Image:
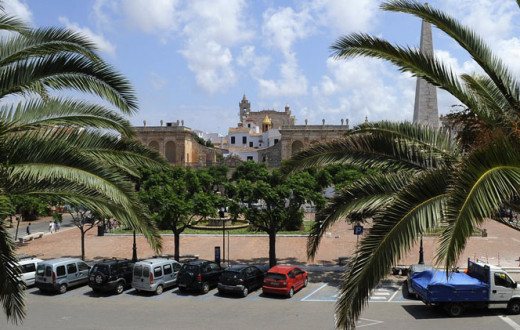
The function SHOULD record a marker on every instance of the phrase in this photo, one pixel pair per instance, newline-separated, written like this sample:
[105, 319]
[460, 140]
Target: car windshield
[230, 274]
[138, 270]
[276, 276]
[40, 270]
[104, 269]
[190, 268]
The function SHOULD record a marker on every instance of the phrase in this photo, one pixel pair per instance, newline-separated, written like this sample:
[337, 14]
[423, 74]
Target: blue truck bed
[433, 287]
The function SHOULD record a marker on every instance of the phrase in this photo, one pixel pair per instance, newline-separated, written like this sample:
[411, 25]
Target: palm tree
[73, 150]
[425, 178]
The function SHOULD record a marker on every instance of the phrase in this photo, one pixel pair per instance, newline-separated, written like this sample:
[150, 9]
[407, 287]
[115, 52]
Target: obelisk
[426, 111]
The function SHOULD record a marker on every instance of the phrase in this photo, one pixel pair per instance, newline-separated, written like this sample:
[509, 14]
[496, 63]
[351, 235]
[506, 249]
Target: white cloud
[211, 64]
[212, 27]
[257, 64]
[360, 88]
[151, 16]
[102, 44]
[283, 26]
[19, 9]
[347, 16]
[292, 82]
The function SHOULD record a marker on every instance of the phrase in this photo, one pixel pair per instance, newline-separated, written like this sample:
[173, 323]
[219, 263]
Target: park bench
[30, 237]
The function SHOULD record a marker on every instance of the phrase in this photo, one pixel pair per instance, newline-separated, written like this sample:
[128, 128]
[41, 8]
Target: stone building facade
[176, 143]
[299, 137]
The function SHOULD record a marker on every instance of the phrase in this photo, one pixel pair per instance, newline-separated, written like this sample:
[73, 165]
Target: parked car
[111, 275]
[199, 275]
[155, 275]
[60, 274]
[284, 280]
[27, 266]
[242, 279]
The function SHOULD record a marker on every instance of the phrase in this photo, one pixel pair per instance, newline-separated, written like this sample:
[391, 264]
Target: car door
[29, 273]
[176, 268]
[258, 277]
[169, 279]
[291, 281]
[502, 290]
[214, 273]
[72, 273]
[83, 270]
[298, 273]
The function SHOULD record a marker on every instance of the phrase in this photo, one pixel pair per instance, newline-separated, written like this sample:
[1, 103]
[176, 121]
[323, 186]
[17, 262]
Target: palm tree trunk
[176, 241]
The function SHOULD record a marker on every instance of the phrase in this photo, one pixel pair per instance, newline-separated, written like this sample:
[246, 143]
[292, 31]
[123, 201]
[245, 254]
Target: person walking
[52, 227]
[58, 225]
[28, 229]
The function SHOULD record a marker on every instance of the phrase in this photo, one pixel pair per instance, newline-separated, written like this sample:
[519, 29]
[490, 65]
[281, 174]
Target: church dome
[266, 120]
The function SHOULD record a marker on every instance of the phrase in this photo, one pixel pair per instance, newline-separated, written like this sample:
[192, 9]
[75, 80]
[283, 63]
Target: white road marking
[313, 292]
[370, 322]
[392, 297]
[512, 323]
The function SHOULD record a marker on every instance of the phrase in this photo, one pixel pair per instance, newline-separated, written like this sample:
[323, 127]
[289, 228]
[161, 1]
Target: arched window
[171, 152]
[296, 147]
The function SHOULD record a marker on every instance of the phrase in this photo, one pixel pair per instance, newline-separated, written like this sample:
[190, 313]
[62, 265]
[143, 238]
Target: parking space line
[510, 322]
[313, 292]
[395, 293]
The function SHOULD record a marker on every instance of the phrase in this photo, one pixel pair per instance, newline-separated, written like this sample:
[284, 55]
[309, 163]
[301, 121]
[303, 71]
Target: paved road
[311, 308]
[41, 225]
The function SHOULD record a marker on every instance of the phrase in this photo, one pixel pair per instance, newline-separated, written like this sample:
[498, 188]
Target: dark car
[198, 275]
[111, 275]
[242, 279]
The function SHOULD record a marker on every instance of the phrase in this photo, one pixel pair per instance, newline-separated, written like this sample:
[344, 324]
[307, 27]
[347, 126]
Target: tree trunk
[272, 249]
[176, 240]
[82, 244]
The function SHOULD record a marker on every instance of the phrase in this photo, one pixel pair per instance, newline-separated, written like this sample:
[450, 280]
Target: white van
[155, 275]
[27, 266]
[60, 274]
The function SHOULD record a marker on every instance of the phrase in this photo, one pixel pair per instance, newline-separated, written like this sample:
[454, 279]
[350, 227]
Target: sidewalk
[499, 248]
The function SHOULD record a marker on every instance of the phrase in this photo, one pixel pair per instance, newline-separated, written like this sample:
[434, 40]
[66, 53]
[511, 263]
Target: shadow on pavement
[422, 312]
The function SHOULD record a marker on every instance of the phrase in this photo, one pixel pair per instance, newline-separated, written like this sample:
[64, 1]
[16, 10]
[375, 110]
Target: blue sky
[193, 60]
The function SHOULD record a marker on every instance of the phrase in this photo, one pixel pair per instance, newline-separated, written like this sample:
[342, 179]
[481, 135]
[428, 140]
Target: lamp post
[421, 253]
[134, 251]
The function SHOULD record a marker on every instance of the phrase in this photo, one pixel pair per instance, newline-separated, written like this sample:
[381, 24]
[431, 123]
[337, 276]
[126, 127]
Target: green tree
[71, 150]
[85, 220]
[175, 197]
[280, 199]
[424, 179]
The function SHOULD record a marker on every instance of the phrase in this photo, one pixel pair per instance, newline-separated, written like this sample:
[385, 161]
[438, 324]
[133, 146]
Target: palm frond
[416, 208]
[368, 196]
[489, 177]
[407, 59]
[468, 40]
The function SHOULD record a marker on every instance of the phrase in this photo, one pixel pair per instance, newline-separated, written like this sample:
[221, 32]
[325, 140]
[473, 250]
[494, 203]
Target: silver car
[155, 275]
[60, 274]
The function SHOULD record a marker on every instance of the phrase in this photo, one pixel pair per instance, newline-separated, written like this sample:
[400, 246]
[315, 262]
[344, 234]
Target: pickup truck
[480, 286]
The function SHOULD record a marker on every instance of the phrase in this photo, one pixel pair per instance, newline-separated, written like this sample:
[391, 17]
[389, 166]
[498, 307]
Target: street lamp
[421, 253]
[134, 250]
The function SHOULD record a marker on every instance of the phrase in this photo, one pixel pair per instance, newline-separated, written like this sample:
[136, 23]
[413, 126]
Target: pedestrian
[28, 229]
[58, 225]
[52, 227]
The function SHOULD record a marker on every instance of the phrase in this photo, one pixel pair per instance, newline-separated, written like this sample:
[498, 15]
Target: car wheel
[96, 290]
[159, 290]
[291, 293]
[513, 307]
[306, 282]
[182, 289]
[245, 292]
[98, 278]
[62, 289]
[455, 310]
[205, 287]
[120, 288]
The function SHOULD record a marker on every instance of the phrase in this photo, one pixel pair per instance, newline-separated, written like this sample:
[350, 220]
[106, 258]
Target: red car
[284, 280]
